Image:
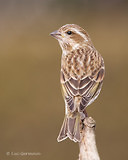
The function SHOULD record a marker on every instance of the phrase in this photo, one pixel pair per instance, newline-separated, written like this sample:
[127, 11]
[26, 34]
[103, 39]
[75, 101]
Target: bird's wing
[91, 89]
[87, 87]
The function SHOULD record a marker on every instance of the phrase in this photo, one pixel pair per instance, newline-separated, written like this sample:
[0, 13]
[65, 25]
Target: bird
[81, 77]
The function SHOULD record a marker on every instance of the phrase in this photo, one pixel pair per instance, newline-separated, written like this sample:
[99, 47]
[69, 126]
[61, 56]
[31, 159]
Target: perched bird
[82, 74]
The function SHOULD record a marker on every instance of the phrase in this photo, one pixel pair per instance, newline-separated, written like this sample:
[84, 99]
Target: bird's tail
[70, 129]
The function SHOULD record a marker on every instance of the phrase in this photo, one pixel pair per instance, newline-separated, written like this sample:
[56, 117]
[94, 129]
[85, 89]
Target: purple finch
[82, 74]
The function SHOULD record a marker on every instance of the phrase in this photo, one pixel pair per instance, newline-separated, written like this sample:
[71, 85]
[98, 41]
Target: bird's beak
[56, 34]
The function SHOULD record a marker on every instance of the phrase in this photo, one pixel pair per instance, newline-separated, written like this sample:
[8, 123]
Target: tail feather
[70, 129]
[77, 130]
[63, 131]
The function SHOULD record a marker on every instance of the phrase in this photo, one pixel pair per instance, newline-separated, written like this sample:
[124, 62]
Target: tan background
[31, 104]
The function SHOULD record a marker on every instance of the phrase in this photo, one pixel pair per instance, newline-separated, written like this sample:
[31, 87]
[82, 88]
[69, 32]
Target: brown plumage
[82, 74]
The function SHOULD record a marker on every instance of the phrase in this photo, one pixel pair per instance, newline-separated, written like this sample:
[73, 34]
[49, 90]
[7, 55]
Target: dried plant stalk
[88, 148]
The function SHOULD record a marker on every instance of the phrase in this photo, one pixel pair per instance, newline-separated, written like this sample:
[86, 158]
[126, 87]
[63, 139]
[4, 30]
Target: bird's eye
[69, 32]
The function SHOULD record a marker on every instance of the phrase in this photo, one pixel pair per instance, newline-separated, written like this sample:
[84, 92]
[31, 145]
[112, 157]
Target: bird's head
[71, 36]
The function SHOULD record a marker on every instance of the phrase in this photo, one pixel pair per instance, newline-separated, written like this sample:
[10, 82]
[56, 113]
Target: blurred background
[31, 104]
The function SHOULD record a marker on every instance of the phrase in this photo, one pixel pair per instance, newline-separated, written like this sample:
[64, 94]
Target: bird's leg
[85, 113]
